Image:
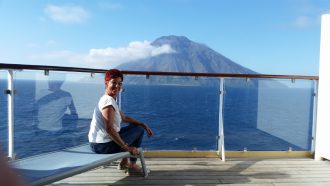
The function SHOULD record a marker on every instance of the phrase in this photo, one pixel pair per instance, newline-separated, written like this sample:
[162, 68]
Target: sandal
[135, 169]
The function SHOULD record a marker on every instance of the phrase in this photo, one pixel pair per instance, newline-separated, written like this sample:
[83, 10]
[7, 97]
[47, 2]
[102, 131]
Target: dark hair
[113, 73]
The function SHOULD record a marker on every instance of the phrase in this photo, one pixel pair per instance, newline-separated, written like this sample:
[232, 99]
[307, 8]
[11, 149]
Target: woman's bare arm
[108, 114]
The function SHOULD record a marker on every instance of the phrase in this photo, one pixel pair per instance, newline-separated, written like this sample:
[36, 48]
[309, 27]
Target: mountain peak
[189, 56]
[172, 38]
[176, 42]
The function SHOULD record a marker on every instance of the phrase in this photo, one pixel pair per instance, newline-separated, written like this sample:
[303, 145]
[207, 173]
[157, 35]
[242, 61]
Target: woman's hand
[133, 150]
[148, 129]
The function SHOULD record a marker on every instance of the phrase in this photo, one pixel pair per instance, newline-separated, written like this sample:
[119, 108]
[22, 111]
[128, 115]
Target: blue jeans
[131, 134]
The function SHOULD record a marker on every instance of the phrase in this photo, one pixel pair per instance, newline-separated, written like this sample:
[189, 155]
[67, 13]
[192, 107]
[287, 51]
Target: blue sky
[267, 36]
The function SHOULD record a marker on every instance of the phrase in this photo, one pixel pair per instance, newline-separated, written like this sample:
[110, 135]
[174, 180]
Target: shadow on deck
[212, 171]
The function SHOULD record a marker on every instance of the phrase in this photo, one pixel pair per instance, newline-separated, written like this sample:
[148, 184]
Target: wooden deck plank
[212, 171]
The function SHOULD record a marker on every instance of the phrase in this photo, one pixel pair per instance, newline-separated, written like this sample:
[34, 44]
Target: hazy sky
[267, 36]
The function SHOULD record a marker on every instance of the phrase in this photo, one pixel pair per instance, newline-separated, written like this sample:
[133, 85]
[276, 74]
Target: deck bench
[51, 167]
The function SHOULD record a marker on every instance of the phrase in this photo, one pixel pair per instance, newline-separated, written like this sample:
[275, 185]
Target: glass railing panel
[268, 114]
[182, 111]
[3, 113]
[53, 111]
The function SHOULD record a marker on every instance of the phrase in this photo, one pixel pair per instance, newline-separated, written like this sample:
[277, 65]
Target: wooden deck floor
[212, 171]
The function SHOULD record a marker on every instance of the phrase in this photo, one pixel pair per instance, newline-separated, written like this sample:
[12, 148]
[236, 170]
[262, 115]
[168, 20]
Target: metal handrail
[127, 72]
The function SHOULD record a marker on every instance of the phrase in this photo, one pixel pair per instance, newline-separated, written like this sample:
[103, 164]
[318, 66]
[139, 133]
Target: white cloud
[303, 21]
[66, 14]
[308, 12]
[107, 57]
[134, 51]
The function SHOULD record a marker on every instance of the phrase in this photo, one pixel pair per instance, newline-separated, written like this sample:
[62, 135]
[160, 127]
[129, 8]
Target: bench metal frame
[51, 167]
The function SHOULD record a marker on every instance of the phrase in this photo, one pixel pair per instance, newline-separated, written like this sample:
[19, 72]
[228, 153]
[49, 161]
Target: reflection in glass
[3, 113]
[268, 114]
[51, 105]
[52, 112]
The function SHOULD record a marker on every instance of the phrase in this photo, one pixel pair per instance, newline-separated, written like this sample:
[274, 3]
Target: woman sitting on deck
[106, 135]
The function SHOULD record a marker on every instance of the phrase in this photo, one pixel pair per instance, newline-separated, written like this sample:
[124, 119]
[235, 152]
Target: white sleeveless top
[97, 132]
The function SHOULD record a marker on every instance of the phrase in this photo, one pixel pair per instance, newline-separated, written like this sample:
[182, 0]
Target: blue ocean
[183, 117]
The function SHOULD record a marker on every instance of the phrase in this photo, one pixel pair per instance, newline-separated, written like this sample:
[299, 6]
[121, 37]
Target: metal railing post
[119, 99]
[315, 93]
[221, 139]
[10, 95]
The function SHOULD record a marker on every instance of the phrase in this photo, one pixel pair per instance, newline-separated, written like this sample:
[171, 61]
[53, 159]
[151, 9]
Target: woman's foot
[122, 167]
[134, 168]
[124, 164]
